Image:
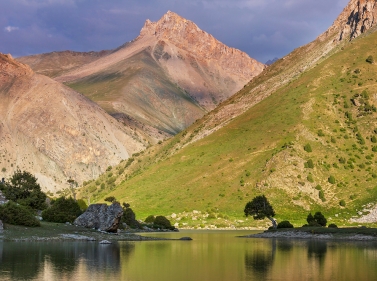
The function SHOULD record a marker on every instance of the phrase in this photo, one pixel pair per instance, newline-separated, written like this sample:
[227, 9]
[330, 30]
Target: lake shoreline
[49, 232]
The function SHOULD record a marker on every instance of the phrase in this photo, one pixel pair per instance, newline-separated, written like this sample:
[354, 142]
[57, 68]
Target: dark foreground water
[212, 255]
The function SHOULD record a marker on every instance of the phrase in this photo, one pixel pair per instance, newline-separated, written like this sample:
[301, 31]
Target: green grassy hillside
[310, 146]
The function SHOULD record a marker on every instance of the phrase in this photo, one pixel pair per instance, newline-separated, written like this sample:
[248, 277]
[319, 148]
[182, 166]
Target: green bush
[370, 59]
[12, 213]
[308, 148]
[342, 203]
[310, 178]
[320, 133]
[129, 218]
[162, 222]
[211, 216]
[285, 224]
[321, 195]
[309, 164]
[150, 219]
[331, 179]
[62, 210]
[320, 219]
[332, 225]
[318, 187]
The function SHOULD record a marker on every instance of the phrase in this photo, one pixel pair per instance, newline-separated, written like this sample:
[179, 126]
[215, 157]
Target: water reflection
[211, 256]
[317, 249]
[259, 260]
[60, 257]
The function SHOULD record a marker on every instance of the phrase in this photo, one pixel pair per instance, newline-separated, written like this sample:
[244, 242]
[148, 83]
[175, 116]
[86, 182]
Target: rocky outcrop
[357, 17]
[101, 217]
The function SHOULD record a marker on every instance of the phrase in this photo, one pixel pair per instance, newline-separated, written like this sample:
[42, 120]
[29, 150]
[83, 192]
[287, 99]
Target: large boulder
[101, 217]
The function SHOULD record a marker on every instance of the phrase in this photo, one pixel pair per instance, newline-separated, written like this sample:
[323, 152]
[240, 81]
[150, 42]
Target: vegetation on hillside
[310, 145]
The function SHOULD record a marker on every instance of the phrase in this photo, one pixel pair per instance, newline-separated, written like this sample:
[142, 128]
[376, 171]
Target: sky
[264, 29]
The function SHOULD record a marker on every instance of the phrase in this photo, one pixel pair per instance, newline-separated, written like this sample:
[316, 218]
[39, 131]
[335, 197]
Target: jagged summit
[187, 36]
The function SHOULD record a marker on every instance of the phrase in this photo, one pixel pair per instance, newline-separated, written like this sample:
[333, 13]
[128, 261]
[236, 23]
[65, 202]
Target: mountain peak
[169, 23]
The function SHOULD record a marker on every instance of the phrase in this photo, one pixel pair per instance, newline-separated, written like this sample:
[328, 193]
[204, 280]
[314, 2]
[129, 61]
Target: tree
[24, 190]
[317, 220]
[260, 208]
[72, 184]
[62, 210]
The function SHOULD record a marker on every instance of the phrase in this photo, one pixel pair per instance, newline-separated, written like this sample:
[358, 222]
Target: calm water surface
[212, 255]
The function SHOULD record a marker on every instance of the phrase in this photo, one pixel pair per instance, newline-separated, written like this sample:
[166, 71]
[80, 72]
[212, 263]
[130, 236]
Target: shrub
[110, 199]
[129, 218]
[342, 203]
[162, 222]
[12, 213]
[318, 187]
[332, 225]
[320, 219]
[331, 180]
[285, 224]
[62, 210]
[321, 195]
[308, 148]
[310, 178]
[309, 164]
[150, 219]
[211, 216]
[370, 59]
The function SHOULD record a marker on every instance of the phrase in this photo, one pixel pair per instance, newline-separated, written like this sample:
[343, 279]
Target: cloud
[11, 28]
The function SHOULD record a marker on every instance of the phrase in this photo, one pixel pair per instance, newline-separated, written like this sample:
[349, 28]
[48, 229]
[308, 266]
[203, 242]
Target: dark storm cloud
[263, 29]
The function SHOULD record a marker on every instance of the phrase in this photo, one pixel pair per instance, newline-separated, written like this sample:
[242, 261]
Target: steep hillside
[303, 133]
[168, 77]
[55, 133]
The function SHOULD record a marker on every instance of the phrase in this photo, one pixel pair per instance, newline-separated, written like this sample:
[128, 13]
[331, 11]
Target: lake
[212, 255]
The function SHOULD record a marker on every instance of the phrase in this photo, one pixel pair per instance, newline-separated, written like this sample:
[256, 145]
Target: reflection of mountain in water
[27, 260]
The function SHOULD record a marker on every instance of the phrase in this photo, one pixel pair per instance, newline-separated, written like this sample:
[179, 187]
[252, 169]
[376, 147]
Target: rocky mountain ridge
[168, 77]
[55, 133]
